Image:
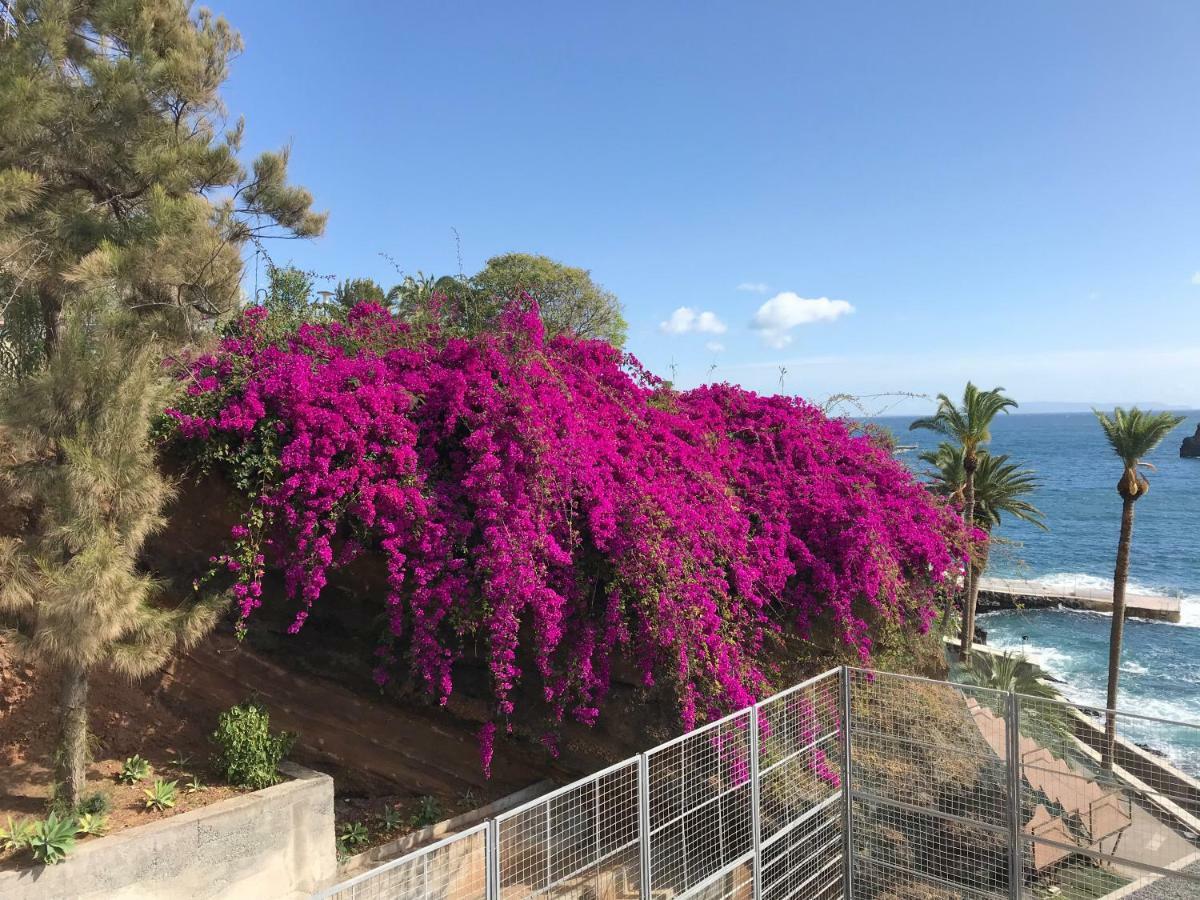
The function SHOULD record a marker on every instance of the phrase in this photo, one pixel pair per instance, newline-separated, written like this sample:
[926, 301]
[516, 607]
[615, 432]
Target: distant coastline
[1042, 407]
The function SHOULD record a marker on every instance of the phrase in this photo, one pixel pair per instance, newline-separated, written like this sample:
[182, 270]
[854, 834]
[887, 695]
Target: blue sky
[919, 193]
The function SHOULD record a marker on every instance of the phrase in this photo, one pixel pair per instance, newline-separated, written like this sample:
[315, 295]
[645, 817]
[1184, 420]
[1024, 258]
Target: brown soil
[381, 754]
[372, 746]
[124, 721]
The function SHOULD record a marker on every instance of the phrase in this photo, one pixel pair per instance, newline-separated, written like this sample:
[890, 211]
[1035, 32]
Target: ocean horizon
[1160, 665]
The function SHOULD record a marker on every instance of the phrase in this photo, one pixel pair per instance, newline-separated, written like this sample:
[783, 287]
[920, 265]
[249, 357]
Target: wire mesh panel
[1102, 802]
[580, 841]
[930, 787]
[799, 765]
[914, 788]
[453, 869]
[700, 801]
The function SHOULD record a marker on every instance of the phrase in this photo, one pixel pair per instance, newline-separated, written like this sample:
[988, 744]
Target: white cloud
[1196, 278]
[715, 346]
[778, 316]
[686, 320]
[754, 287]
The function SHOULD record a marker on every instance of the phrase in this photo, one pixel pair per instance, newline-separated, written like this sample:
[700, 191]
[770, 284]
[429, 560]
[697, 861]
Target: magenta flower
[558, 505]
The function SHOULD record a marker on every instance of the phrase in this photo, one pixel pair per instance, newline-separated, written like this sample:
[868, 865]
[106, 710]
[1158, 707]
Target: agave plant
[16, 835]
[134, 770]
[91, 823]
[161, 795]
[52, 839]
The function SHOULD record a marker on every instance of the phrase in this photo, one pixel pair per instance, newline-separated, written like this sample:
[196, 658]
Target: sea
[1160, 666]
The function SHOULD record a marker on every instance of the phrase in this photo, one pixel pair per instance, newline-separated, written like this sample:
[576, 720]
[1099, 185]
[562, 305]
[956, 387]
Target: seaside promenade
[1011, 593]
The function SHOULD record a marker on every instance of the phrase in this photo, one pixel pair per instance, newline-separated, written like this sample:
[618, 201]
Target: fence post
[491, 850]
[755, 804]
[644, 825]
[847, 792]
[1016, 846]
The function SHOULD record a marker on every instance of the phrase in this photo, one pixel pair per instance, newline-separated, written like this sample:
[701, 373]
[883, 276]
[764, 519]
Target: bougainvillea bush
[554, 502]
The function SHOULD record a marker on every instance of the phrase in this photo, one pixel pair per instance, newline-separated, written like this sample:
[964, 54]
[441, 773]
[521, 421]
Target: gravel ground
[1171, 888]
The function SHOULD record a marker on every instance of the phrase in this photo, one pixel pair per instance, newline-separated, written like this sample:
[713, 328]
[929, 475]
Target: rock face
[1190, 449]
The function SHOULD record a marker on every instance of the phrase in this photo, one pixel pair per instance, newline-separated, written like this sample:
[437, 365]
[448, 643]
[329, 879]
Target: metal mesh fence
[855, 784]
[453, 869]
[579, 841]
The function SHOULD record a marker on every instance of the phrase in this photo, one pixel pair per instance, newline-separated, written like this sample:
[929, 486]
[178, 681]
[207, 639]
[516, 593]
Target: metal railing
[853, 784]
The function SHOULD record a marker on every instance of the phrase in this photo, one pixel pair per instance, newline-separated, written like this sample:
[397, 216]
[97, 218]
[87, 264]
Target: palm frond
[1001, 485]
[1133, 433]
[968, 422]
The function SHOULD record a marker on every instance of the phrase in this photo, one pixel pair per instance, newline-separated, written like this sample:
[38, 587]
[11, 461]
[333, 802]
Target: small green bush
[429, 811]
[135, 769]
[354, 835]
[94, 804]
[52, 839]
[161, 795]
[391, 819]
[248, 754]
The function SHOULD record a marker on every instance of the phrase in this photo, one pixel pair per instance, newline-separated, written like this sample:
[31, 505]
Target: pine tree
[113, 166]
[72, 594]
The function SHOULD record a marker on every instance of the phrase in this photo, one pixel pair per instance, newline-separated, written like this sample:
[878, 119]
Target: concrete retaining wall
[369, 859]
[273, 843]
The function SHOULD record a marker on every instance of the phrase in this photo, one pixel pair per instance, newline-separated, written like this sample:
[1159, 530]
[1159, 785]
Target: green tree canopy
[358, 290]
[290, 291]
[116, 166]
[570, 300]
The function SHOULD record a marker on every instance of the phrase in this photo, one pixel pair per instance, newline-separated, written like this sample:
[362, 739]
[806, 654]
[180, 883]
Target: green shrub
[95, 804]
[195, 786]
[161, 795]
[428, 812]
[391, 819]
[248, 754]
[16, 835]
[135, 769]
[52, 839]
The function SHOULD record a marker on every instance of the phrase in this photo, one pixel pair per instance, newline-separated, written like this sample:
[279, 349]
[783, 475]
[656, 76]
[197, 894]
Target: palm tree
[1132, 434]
[970, 425]
[1006, 672]
[1048, 723]
[1001, 487]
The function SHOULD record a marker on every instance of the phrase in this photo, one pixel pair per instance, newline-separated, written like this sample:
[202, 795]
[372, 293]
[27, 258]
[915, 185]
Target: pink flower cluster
[553, 501]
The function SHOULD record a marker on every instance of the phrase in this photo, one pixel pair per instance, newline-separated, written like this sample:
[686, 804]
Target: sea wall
[1164, 609]
[269, 844]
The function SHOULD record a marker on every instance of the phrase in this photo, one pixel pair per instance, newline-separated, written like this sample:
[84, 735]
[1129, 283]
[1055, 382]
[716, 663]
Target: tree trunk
[1120, 576]
[51, 310]
[968, 626]
[72, 766]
